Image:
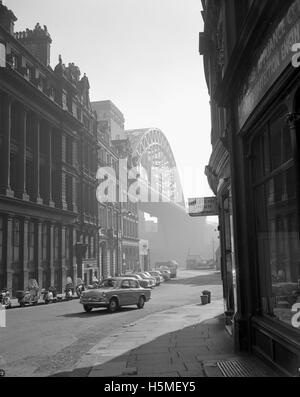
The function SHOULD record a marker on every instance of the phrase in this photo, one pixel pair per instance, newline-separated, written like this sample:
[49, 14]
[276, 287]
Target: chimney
[7, 18]
[37, 41]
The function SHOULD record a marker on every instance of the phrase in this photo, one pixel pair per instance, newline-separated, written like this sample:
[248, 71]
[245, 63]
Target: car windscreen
[144, 276]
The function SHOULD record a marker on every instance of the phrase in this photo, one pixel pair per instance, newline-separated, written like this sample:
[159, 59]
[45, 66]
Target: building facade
[51, 145]
[254, 170]
[125, 230]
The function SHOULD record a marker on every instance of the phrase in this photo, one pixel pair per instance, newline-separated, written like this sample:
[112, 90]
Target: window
[125, 284]
[69, 151]
[1, 243]
[277, 229]
[92, 247]
[133, 284]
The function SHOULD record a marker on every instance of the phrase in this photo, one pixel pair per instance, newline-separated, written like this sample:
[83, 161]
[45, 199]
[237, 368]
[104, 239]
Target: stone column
[21, 177]
[5, 153]
[63, 257]
[39, 258]
[25, 252]
[9, 253]
[74, 257]
[63, 202]
[51, 254]
[36, 161]
[49, 169]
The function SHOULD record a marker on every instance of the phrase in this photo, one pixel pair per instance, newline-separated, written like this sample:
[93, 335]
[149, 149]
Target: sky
[143, 56]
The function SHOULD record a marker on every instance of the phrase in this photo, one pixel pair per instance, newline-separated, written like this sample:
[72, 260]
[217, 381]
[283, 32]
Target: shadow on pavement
[175, 354]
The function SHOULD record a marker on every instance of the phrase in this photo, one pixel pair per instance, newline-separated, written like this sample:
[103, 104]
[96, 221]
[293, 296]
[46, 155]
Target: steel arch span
[175, 233]
[151, 150]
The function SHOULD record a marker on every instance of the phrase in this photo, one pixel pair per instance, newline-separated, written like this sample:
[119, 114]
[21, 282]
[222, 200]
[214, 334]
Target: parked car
[150, 278]
[157, 273]
[172, 266]
[156, 276]
[143, 283]
[114, 293]
[165, 273]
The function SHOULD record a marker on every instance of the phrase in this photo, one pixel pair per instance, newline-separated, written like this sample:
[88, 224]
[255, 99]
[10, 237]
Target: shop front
[267, 117]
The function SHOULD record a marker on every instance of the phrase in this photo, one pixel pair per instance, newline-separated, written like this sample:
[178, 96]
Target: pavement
[186, 341]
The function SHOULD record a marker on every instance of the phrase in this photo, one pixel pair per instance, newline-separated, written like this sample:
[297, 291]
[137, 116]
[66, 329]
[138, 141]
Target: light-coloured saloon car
[114, 293]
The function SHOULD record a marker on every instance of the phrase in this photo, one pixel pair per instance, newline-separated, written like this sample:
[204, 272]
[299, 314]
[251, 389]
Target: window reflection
[276, 220]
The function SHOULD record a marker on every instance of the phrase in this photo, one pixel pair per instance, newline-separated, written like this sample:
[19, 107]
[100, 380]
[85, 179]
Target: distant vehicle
[114, 293]
[49, 295]
[80, 287]
[170, 265]
[165, 273]
[5, 298]
[158, 275]
[31, 296]
[143, 282]
[151, 279]
[157, 278]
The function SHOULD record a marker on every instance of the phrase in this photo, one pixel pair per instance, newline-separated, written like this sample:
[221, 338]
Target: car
[143, 282]
[156, 276]
[157, 273]
[165, 273]
[114, 293]
[150, 278]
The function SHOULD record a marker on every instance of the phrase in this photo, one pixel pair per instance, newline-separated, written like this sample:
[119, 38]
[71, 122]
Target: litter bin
[208, 294]
[204, 299]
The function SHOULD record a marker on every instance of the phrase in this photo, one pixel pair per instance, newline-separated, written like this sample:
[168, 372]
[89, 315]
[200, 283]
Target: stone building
[49, 146]
[124, 234]
[254, 169]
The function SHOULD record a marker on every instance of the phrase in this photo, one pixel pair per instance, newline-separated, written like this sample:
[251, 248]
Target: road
[43, 340]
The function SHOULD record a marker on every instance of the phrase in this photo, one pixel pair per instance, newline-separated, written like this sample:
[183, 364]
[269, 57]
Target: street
[48, 339]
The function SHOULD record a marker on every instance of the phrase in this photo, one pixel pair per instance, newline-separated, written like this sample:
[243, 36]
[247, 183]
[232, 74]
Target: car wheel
[141, 302]
[113, 305]
[87, 308]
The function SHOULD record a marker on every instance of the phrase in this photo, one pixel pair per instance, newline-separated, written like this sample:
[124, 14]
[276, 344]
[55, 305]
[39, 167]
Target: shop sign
[272, 58]
[203, 206]
[2, 56]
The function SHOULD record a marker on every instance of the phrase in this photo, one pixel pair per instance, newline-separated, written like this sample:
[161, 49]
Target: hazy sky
[143, 56]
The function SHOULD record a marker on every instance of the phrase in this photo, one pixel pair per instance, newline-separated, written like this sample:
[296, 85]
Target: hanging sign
[203, 206]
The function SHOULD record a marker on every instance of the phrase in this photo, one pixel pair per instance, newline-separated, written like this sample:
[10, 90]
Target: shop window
[276, 220]
[1, 246]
